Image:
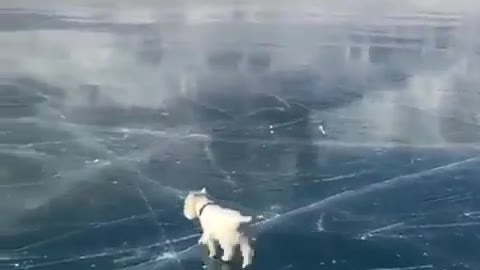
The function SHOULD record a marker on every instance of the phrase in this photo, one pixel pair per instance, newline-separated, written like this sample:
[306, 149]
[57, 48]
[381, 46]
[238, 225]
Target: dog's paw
[245, 264]
[226, 258]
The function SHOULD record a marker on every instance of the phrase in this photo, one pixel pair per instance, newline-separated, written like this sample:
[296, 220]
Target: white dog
[218, 224]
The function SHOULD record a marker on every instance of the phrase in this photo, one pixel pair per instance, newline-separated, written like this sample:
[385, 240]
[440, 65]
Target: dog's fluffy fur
[218, 224]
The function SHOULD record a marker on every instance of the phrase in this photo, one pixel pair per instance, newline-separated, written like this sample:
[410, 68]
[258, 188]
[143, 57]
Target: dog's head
[189, 207]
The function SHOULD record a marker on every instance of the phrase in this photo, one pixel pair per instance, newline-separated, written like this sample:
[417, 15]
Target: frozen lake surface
[353, 138]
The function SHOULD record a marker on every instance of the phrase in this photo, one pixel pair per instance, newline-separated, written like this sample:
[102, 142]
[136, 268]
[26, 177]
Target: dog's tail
[245, 219]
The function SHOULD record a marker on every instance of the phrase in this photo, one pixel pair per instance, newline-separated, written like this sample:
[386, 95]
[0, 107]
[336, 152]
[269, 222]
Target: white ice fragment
[334, 261]
[63, 116]
[320, 225]
[114, 182]
[275, 208]
[16, 265]
[178, 162]
[365, 236]
[92, 161]
[270, 126]
[271, 131]
[167, 255]
[320, 127]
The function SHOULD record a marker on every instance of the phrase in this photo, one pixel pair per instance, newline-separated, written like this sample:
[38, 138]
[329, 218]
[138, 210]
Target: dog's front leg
[203, 239]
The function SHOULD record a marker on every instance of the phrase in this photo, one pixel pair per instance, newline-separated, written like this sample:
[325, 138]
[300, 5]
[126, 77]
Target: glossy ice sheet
[352, 134]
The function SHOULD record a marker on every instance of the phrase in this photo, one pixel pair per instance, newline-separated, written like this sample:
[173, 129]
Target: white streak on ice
[427, 266]
[344, 176]
[383, 229]
[392, 182]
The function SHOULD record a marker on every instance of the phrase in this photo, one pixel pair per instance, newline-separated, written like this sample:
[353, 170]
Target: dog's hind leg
[247, 251]
[228, 250]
